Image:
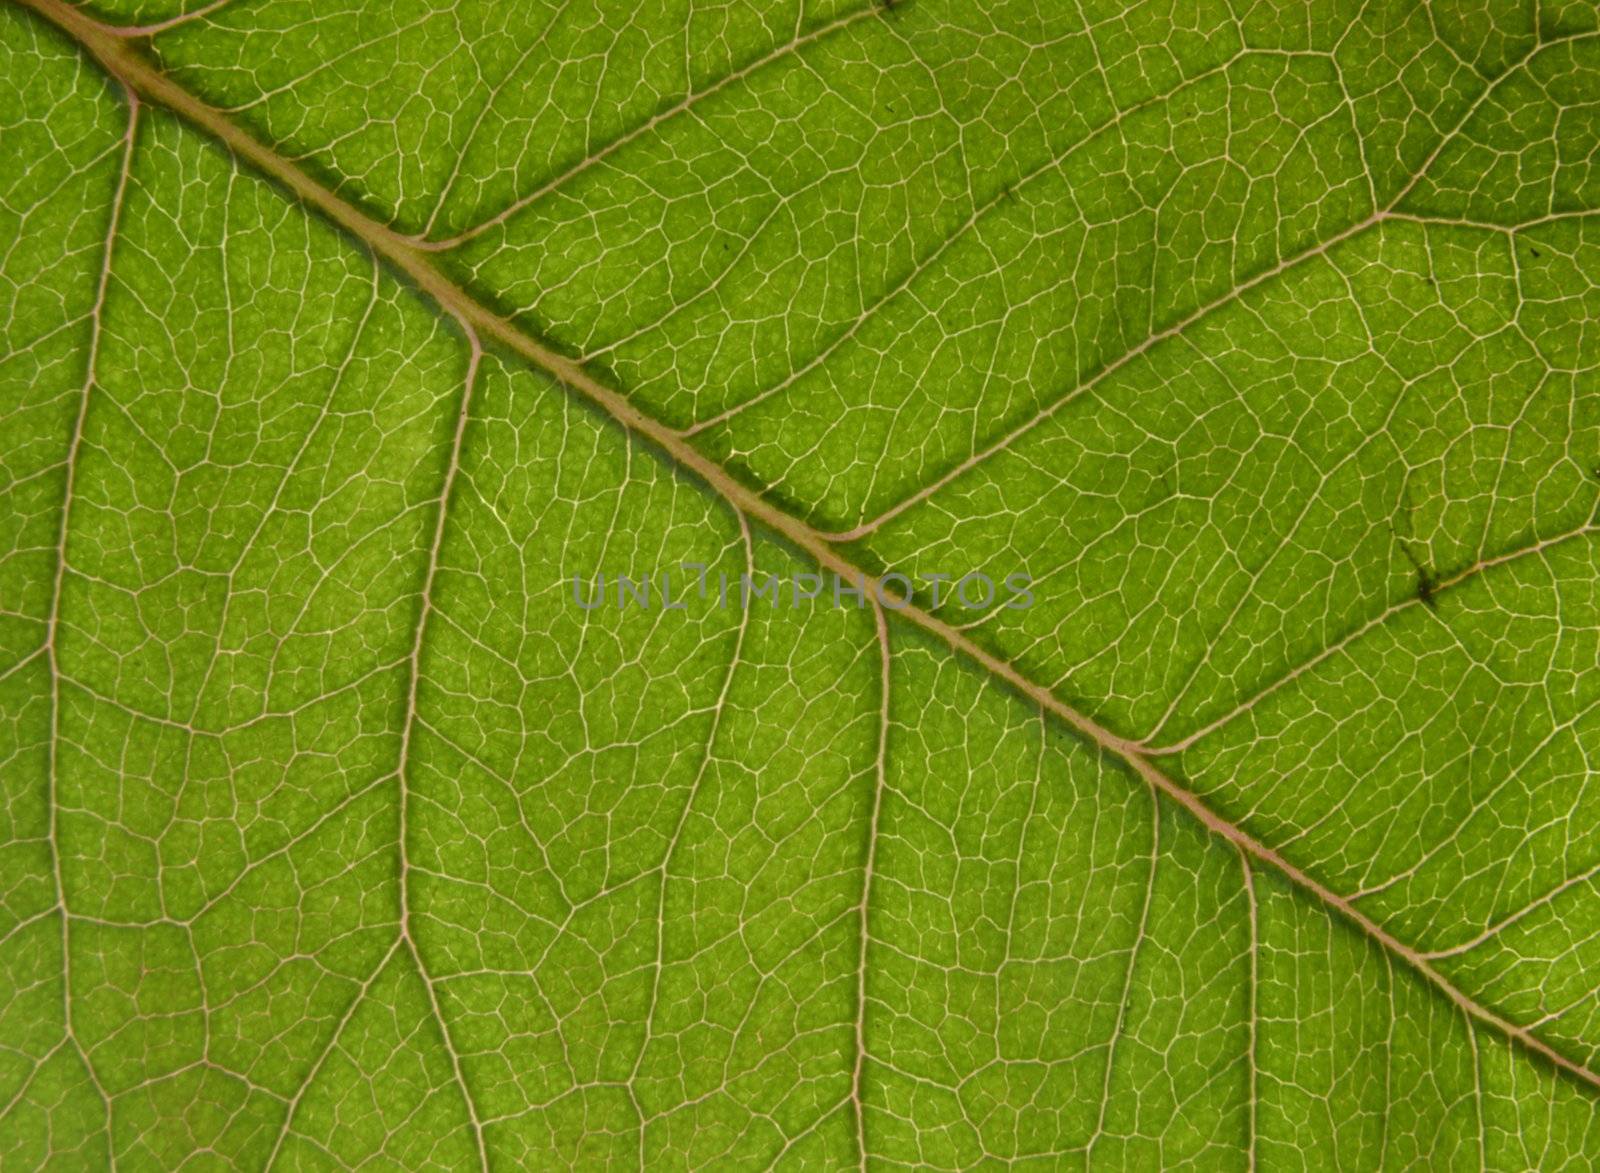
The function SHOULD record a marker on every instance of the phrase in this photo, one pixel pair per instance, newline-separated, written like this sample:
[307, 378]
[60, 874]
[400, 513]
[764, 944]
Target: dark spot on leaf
[1427, 582]
[1427, 590]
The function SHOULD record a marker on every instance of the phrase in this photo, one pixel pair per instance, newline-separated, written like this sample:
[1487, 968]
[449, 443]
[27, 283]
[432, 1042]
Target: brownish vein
[52, 646]
[425, 609]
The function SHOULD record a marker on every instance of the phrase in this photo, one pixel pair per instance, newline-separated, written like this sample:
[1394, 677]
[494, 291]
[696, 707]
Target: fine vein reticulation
[1267, 351]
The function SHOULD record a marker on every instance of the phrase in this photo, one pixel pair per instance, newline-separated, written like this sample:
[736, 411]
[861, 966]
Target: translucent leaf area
[1261, 336]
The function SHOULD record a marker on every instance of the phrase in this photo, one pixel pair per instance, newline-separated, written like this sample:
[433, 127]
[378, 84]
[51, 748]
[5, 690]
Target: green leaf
[338, 338]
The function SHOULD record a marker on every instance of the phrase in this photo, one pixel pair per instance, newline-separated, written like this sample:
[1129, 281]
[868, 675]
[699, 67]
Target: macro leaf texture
[1261, 336]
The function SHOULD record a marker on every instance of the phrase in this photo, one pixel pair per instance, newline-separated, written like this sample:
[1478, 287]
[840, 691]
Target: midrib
[125, 63]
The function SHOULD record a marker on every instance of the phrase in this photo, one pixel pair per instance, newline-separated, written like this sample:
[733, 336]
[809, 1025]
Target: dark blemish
[1536, 252]
[1427, 583]
[1427, 589]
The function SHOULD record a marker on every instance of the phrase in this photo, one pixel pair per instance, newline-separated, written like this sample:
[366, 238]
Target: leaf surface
[339, 338]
